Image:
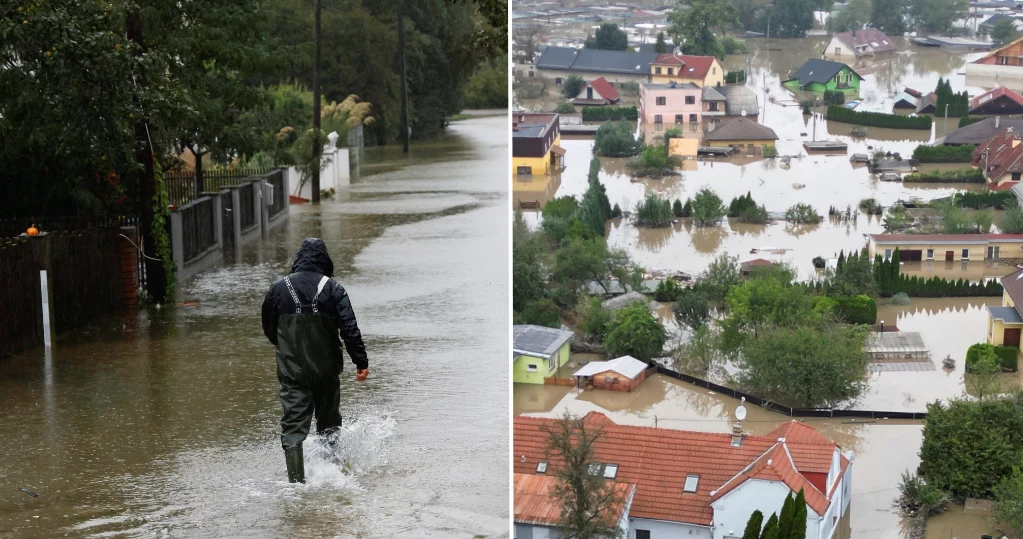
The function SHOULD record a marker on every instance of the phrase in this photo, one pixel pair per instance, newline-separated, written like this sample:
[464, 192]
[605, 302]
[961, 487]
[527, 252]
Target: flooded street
[166, 422]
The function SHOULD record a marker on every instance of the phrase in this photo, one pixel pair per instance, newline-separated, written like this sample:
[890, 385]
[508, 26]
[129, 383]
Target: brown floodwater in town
[164, 422]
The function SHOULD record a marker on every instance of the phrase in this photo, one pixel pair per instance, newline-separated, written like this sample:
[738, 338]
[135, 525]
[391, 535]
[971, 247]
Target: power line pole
[317, 145]
[405, 133]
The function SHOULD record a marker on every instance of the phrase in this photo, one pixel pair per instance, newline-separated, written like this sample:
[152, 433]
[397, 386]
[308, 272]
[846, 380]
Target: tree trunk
[156, 277]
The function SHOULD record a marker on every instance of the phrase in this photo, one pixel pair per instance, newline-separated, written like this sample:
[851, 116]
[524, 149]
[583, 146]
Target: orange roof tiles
[535, 502]
[658, 461]
[689, 66]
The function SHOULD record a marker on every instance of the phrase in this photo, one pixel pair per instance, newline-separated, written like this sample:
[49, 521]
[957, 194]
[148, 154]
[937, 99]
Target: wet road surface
[165, 422]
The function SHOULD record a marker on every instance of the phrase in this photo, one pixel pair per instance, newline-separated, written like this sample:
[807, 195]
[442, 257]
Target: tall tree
[770, 530]
[527, 40]
[693, 23]
[851, 17]
[792, 18]
[889, 16]
[608, 37]
[938, 15]
[661, 46]
[788, 513]
[752, 530]
[798, 530]
[586, 499]
[1005, 31]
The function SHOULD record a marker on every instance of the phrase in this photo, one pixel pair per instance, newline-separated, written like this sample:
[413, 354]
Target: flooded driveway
[166, 422]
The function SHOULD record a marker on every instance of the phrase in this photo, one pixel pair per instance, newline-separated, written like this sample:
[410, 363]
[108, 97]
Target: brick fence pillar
[129, 266]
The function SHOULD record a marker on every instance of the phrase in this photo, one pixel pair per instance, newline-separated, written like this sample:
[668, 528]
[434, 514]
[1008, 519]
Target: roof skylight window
[610, 471]
[692, 481]
[541, 467]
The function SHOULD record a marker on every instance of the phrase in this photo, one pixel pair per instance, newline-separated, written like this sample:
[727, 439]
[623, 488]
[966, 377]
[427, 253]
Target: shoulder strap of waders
[319, 288]
[294, 296]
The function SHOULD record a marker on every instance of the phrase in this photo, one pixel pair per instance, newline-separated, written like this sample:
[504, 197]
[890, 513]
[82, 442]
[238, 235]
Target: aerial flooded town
[774, 244]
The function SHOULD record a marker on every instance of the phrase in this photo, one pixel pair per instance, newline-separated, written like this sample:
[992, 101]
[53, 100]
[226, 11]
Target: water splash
[360, 447]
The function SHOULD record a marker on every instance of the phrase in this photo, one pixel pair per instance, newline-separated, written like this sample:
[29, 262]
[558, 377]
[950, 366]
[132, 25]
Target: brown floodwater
[164, 422]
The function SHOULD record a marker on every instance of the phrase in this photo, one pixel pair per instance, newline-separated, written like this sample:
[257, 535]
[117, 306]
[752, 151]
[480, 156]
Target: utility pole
[405, 132]
[946, 117]
[317, 145]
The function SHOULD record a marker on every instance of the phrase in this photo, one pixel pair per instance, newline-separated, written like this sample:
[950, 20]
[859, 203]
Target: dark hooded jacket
[311, 263]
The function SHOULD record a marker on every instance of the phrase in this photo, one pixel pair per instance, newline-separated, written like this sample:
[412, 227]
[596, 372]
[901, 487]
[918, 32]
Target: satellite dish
[742, 112]
[740, 413]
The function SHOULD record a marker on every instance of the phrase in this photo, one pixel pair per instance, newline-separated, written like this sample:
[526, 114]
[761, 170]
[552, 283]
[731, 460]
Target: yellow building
[536, 144]
[1005, 323]
[741, 134]
[699, 70]
[947, 247]
[538, 352]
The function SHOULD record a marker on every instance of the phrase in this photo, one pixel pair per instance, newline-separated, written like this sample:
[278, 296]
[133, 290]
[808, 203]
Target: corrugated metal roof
[626, 366]
[1009, 315]
[538, 341]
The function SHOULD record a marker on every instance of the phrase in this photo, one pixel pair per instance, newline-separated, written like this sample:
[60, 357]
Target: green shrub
[667, 290]
[542, 312]
[733, 45]
[615, 139]
[593, 317]
[565, 108]
[871, 206]
[890, 281]
[676, 208]
[488, 87]
[687, 208]
[877, 119]
[967, 120]
[654, 211]
[707, 209]
[654, 161]
[635, 332]
[594, 114]
[857, 309]
[834, 97]
[946, 176]
[803, 214]
[769, 151]
[572, 86]
[616, 212]
[1006, 355]
[943, 154]
[958, 103]
[756, 215]
[735, 77]
[738, 204]
[979, 200]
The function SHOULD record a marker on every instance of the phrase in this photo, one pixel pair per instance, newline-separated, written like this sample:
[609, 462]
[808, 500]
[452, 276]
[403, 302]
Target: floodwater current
[165, 421]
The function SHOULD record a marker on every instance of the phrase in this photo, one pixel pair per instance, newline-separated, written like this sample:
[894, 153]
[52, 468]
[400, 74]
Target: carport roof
[1009, 315]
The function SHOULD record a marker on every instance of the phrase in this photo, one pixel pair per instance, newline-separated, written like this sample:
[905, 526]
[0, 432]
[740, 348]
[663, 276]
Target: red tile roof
[871, 37]
[535, 502]
[691, 66]
[605, 89]
[995, 94]
[658, 460]
[1004, 154]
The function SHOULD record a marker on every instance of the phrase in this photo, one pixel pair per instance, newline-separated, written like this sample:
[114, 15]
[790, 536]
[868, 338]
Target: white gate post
[46, 308]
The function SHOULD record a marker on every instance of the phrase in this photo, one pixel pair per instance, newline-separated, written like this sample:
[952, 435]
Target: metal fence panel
[246, 199]
[198, 228]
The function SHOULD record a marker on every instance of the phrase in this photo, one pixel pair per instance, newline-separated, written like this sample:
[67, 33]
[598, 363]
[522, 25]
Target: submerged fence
[83, 277]
[781, 408]
[197, 232]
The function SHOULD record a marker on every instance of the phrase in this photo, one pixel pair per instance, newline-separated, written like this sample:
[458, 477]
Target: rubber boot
[296, 465]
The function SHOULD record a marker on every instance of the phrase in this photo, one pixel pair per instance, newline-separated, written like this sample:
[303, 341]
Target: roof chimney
[737, 435]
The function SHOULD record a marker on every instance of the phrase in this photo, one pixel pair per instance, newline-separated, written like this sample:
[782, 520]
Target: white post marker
[46, 308]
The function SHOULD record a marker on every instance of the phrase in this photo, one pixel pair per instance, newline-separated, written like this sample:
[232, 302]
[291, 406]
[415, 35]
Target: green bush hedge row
[946, 176]
[967, 120]
[877, 119]
[610, 113]
[979, 200]
[857, 309]
[890, 281]
[943, 154]
[1006, 356]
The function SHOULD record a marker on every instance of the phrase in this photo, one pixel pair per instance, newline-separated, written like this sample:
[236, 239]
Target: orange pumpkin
[32, 230]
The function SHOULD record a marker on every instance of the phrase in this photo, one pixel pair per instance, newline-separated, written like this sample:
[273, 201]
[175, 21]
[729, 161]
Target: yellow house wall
[540, 165]
[977, 252]
[1006, 300]
[995, 331]
[1007, 250]
[544, 368]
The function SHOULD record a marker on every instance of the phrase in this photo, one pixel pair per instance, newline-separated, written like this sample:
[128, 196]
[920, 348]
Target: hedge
[979, 200]
[591, 114]
[1006, 356]
[967, 120]
[890, 281]
[972, 175]
[857, 309]
[834, 97]
[877, 119]
[735, 77]
[943, 154]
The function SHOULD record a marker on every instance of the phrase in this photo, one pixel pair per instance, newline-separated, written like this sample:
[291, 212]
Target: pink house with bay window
[671, 103]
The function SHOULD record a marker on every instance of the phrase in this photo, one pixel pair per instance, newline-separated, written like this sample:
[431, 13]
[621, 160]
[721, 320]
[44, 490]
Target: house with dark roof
[1001, 159]
[538, 352]
[858, 43]
[980, 132]
[597, 92]
[818, 75]
[1000, 100]
[741, 133]
[685, 68]
[536, 144]
[693, 484]
[560, 63]
[1005, 323]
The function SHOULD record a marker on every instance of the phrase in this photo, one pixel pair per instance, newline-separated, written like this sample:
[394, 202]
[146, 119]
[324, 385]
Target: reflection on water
[165, 422]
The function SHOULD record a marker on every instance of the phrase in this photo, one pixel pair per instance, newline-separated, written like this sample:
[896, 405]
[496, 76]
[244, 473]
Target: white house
[695, 484]
[858, 43]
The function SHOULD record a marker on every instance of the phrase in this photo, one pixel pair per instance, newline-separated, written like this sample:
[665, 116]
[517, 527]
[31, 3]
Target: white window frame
[965, 254]
[930, 254]
[658, 119]
[552, 362]
[887, 254]
[531, 368]
[691, 487]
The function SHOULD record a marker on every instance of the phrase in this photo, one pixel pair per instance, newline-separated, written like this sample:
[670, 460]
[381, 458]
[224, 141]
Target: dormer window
[692, 482]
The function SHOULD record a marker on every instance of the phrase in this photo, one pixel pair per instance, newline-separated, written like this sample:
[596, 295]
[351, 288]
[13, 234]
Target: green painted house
[818, 75]
[538, 352]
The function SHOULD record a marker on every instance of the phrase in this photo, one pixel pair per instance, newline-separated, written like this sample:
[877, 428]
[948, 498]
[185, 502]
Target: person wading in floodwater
[303, 316]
